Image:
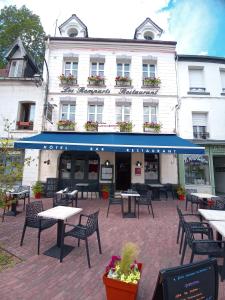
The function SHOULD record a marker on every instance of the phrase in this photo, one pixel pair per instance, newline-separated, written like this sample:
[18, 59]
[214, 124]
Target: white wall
[168, 168]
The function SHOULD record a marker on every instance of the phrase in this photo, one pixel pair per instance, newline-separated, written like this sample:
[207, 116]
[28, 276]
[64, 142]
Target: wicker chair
[32, 220]
[83, 231]
[145, 200]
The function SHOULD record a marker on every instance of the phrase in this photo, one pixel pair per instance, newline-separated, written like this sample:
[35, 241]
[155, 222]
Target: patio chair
[115, 201]
[217, 203]
[189, 197]
[83, 231]
[145, 200]
[23, 194]
[93, 188]
[62, 199]
[210, 247]
[32, 220]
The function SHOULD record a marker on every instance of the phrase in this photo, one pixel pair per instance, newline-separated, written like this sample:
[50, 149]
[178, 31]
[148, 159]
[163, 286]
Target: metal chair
[145, 200]
[115, 201]
[83, 231]
[62, 199]
[32, 220]
[189, 197]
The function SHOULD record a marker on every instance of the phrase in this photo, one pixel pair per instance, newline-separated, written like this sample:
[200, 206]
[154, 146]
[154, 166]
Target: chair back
[189, 235]
[92, 223]
[32, 209]
[219, 204]
[189, 191]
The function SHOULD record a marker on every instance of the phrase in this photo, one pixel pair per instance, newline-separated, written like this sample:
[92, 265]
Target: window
[150, 114]
[123, 113]
[26, 116]
[196, 169]
[151, 167]
[97, 69]
[123, 70]
[196, 80]
[68, 112]
[72, 32]
[95, 113]
[222, 75]
[71, 68]
[199, 123]
[14, 69]
[148, 70]
[148, 35]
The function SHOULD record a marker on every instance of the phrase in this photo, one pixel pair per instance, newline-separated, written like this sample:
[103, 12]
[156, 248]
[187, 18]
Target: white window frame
[71, 70]
[152, 116]
[68, 113]
[99, 71]
[196, 87]
[123, 73]
[149, 65]
[200, 129]
[32, 108]
[14, 70]
[222, 76]
[122, 114]
[96, 113]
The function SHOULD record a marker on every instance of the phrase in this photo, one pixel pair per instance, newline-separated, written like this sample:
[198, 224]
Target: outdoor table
[73, 195]
[204, 197]
[212, 215]
[60, 213]
[130, 194]
[15, 197]
[82, 186]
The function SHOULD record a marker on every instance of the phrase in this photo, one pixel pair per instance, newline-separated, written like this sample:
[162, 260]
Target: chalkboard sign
[198, 281]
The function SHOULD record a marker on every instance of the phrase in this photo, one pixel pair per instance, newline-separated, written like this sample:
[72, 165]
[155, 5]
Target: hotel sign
[122, 91]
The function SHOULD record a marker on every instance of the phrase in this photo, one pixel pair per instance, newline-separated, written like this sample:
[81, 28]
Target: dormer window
[14, 69]
[72, 32]
[148, 35]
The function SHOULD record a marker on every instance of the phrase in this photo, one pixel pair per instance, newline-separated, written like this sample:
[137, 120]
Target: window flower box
[123, 81]
[25, 125]
[66, 125]
[91, 126]
[152, 127]
[68, 79]
[125, 126]
[96, 80]
[152, 82]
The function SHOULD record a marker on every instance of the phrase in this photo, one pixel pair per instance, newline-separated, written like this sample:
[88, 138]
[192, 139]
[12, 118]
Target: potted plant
[67, 79]
[125, 126]
[152, 81]
[105, 191]
[91, 126]
[37, 189]
[96, 80]
[181, 192]
[123, 81]
[66, 125]
[152, 126]
[123, 274]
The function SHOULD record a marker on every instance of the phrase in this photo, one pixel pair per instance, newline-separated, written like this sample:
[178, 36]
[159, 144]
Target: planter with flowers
[96, 80]
[123, 274]
[91, 126]
[151, 82]
[125, 126]
[123, 81]
[105, 192]
[67, 79]
[181, 192]
[152, 127]
[66, 125]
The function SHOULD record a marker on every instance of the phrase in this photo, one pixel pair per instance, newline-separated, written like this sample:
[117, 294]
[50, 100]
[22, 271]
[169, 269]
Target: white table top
[156, 185]
[19, 193]
[72, 193]
[82, 184]
[203, 195]
[130, 194]
[212, 215]
[219, 226]
[60, 212]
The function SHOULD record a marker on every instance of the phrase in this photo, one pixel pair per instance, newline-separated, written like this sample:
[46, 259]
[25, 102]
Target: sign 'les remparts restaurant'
[122, 91]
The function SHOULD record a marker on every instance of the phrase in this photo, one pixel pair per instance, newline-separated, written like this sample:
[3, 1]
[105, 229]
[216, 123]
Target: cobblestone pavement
[42, 277]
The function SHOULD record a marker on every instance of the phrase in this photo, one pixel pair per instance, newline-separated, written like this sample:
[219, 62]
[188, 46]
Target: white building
[201, 119]
[108, 81]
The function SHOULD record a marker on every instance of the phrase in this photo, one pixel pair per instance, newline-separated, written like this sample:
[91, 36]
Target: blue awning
[111, 142]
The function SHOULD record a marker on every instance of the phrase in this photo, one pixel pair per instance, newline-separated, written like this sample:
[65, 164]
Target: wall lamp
[138, 163]
[38, 80]
[107, 162]
[47, 162]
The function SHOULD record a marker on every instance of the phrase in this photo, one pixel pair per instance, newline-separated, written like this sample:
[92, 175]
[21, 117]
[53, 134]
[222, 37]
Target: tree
[21, 22]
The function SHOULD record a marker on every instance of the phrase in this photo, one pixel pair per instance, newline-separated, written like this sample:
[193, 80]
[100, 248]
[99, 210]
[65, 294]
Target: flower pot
[181, 197]
[37, 195]
[105, 195]
[119, 290]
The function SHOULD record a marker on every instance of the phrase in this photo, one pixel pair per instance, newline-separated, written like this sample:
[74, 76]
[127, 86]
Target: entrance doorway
[219, 174]
[123, 171]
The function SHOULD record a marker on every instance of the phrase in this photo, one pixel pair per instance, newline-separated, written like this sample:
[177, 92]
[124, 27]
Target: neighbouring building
[201, 120]
[115, 102]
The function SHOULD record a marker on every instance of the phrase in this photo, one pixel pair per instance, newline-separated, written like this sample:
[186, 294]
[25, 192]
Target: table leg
[129, 213]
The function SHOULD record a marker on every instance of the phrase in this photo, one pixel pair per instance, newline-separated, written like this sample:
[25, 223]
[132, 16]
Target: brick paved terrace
[42, 277]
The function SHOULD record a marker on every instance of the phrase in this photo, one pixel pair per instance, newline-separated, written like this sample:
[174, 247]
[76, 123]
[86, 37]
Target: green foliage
[129, 254]
[37, 187]
[21, 22]
[181, 190]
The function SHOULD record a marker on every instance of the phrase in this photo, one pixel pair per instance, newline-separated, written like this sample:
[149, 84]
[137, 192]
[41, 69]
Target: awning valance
[109, 142]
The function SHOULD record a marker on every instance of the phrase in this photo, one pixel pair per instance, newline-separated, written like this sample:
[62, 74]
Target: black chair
[210, 247]
[145, 200]
[63, 199]
[217, 203]
[142, 189]
[115, 201]
[189, 197]
[83, 231]
[93, 188]
[32, 220]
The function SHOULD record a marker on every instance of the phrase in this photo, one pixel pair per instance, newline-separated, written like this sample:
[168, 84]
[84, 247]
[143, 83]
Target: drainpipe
[178, 105]
[46, 88]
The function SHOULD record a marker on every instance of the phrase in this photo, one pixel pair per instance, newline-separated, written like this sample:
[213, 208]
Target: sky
[197, 25]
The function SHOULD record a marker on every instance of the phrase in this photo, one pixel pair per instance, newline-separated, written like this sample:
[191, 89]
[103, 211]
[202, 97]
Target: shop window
[95, 113]
[123, 113]
[151, 167]
[26, 116]
[196, 169]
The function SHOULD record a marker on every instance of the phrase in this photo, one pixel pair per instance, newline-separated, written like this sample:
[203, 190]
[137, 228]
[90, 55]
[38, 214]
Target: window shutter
[196, 78]
[222, 74]
[199, 119]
